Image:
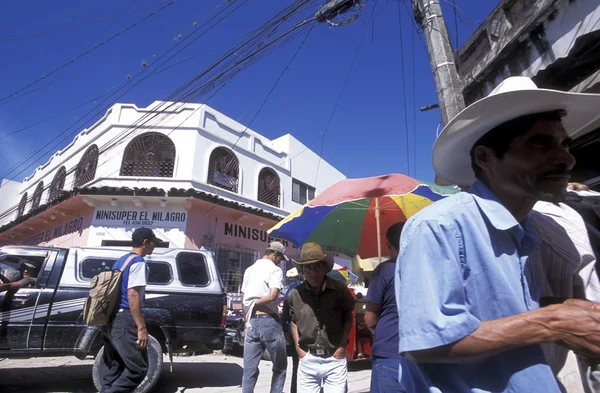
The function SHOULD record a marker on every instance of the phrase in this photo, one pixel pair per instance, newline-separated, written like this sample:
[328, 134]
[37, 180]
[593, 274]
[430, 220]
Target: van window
[193, 270]
[160, 273]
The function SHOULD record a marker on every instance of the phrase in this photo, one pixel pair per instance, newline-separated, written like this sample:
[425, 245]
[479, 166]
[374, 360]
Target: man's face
[537, 165]
[27, 273]
[149, 246]
[314, 273]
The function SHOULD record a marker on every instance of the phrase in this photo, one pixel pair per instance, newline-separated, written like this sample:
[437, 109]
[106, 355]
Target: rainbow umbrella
[350, 216]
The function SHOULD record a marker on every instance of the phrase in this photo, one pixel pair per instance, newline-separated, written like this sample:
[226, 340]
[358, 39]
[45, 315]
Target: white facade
[195, 130]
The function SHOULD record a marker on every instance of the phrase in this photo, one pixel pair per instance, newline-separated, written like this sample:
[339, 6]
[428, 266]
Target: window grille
[224, 170]
[268, 187]
[86, 169]
[149, 155]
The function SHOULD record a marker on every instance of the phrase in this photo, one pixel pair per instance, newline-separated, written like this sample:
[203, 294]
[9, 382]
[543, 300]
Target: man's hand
[340, 353]
[300, 352]
[142, 335]
[577, 187]
[577, 324]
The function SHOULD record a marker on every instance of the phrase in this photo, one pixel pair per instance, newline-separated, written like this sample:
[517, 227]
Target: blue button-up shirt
[464, 260]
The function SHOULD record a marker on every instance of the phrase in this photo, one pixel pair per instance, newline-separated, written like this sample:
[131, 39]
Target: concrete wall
[196, 130]
[523, 37]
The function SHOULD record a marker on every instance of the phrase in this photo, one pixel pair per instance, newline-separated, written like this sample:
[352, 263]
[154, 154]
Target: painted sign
[246, 232]
[58, 231]
[164, 218]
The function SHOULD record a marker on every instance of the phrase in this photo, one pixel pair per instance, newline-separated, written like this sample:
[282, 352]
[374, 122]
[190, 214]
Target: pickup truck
[185, 308]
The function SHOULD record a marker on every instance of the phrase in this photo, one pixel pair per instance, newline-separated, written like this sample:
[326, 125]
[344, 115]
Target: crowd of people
[484, 291]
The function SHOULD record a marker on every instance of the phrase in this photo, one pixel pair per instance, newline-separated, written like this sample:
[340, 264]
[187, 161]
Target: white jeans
[314, 371]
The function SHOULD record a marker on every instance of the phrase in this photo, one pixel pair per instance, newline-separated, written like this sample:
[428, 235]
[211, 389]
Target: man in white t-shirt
[260, 290]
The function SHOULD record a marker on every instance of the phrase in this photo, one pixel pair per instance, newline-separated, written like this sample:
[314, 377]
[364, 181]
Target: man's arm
[348, 304]
[137, 281]
[271, 297]
[135, 307]
[434, 318]
[372, 314]
[296, 336]
[573, 324]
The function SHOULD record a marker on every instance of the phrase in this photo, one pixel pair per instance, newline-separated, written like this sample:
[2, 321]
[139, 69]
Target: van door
[23, 314]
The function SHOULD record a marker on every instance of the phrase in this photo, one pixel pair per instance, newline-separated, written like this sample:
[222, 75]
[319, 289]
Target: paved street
[206, 373]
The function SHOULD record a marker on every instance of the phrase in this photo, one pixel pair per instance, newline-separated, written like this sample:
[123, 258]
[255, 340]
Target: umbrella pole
[378, 229]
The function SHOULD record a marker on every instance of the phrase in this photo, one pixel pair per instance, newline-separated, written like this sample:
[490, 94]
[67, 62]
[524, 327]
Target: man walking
[382, 315]
[125, 360]
[469, 277]
[260, 289]
[321, 311]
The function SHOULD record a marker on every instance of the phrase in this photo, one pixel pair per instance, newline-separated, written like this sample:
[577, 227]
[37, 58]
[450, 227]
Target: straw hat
[311, 253]
[513, 98]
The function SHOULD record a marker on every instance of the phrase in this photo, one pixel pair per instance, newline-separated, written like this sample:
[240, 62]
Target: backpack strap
[124, 266]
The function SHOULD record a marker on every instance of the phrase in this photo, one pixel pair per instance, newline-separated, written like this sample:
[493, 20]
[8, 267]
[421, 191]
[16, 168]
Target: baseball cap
[141, 234]
[278, 247]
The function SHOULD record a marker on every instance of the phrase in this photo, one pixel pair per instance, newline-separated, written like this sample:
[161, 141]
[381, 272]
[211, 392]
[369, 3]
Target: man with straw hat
[469, 279]
[321, 310]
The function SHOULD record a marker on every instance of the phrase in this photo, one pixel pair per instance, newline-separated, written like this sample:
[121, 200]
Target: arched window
[224, 169]
[37, 196]
[149, 155]
[58, 183]
[268, 187]
[22, 205]
[86, 169]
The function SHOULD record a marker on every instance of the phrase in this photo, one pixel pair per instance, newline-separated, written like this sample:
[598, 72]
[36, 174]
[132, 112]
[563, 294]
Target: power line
[414, 91]
[136, 126]
[25, 160]
[339, 97]
[80, 24]
[404, 89]
[273, 88]
[88, 51]
[455, 22]
[47, 85]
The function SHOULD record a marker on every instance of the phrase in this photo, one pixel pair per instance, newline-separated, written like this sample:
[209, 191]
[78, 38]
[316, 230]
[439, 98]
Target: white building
[195, 176]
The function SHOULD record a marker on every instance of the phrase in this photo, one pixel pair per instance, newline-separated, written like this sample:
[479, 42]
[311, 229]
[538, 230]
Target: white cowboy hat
[514, 97]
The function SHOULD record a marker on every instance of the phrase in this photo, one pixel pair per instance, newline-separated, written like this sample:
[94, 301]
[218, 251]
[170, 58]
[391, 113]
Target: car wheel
[155, 361]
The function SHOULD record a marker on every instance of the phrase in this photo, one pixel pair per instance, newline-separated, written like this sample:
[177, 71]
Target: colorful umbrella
[350, 216]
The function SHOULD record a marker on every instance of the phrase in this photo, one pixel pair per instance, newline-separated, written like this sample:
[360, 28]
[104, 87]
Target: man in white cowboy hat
[469, 278]
[321, 310]
[260, 290]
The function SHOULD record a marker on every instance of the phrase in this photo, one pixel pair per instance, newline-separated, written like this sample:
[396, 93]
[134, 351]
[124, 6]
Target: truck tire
[155, 361]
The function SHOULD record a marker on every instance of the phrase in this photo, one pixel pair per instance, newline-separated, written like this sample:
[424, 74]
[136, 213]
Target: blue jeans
[264, 333]
[384, 376]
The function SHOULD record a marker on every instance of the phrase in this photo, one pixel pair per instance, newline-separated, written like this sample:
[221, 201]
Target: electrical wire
[272, 42]
[339, 97]
[404, 88]
[273, 88]
[111, 101]
[455, 23]
[414, 91]
[80, 24]
[43, 88]
[88, 51]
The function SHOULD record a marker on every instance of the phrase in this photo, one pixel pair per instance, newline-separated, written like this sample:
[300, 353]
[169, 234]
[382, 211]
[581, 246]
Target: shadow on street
[78, 378]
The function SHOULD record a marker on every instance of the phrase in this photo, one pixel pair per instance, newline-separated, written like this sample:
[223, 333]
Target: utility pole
[428, 15]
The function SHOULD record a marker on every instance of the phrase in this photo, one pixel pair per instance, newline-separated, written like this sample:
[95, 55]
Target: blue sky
[367, 135]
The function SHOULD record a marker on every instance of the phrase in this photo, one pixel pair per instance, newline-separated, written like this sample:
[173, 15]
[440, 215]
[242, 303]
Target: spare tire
[155, 362]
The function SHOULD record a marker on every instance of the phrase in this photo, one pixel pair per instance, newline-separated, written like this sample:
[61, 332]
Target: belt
[322, 353]
[264, 316]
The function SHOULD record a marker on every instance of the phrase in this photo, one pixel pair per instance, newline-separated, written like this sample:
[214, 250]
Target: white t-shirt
[259, 279]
